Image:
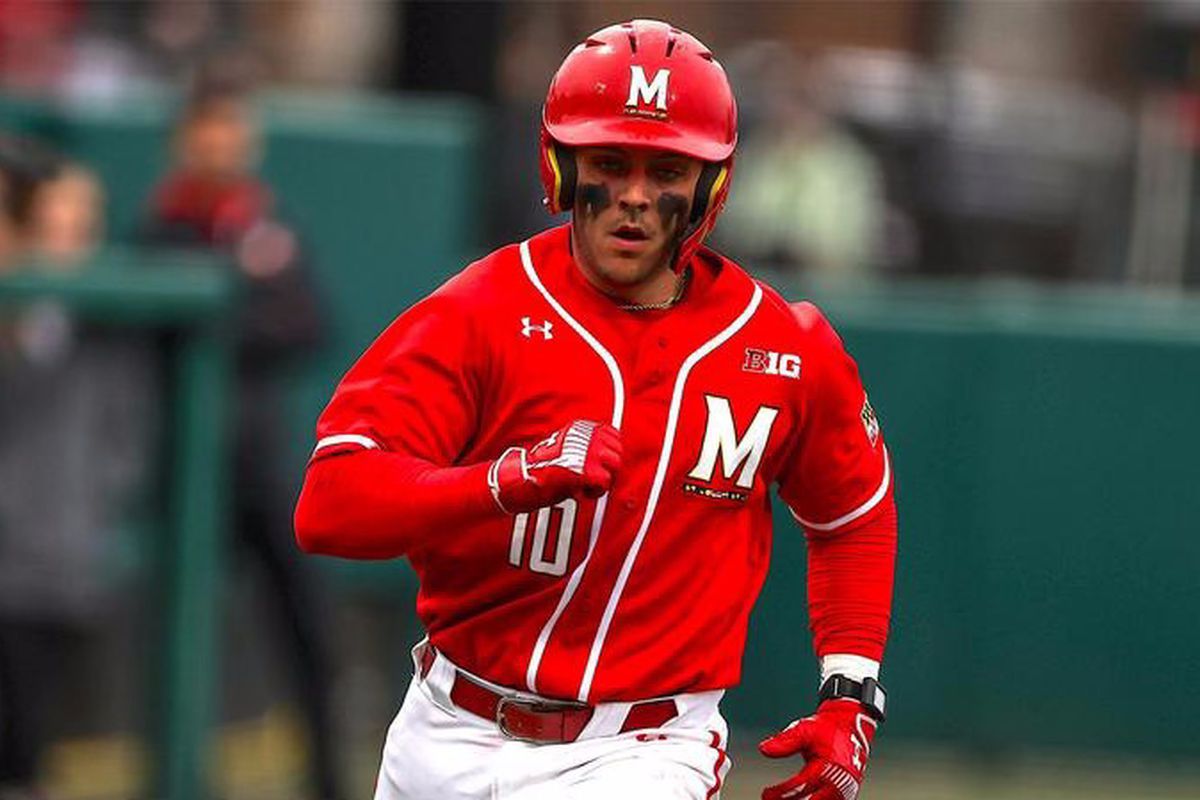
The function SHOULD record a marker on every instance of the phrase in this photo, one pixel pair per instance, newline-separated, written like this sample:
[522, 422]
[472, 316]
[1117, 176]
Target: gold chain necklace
[680, 287]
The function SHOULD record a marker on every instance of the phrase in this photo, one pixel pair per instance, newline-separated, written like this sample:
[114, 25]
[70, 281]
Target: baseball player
[573, 442]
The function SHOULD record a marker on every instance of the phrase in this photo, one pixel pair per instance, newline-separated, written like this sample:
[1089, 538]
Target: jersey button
[629, 505]
[662, 341]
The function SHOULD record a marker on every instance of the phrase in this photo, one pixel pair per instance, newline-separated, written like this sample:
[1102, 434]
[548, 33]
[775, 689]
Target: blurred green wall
[1042, 440]
[1047, 579]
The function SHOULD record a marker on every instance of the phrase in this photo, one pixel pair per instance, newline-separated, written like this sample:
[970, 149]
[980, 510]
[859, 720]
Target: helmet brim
[635, 131]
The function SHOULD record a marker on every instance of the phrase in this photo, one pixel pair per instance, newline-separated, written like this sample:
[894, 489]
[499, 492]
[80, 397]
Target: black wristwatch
[868, 692]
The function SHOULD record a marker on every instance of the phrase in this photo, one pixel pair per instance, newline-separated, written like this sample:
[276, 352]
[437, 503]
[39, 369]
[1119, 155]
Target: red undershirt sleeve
[850, 578]
[372, 504]
[838, 485]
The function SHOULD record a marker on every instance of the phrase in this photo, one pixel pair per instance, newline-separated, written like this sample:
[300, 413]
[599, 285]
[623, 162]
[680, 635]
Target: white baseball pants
[436, 751]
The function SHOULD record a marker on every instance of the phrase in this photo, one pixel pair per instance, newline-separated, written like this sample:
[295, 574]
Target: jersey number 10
[548, 560]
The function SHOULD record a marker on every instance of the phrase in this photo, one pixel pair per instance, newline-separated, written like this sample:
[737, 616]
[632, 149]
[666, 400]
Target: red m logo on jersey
[721, 440]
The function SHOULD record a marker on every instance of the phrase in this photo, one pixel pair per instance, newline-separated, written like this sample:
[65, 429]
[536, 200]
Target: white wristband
[852, 666]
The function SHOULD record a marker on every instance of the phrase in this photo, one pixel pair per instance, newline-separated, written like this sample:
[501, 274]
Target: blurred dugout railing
[1043, 443]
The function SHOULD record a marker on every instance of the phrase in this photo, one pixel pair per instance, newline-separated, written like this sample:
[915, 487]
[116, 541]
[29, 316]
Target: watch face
[873, 696]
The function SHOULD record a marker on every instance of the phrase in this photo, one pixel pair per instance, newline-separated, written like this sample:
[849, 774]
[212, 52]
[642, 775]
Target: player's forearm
[850, 577]
[373, 504]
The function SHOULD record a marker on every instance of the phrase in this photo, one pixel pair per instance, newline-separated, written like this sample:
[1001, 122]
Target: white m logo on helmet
[720, 438]
[647, 92]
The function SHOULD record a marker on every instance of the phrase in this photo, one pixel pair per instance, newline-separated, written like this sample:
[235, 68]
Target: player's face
[631, 211]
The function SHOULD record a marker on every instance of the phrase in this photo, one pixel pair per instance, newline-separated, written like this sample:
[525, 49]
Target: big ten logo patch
[768, 362]
[740, 456]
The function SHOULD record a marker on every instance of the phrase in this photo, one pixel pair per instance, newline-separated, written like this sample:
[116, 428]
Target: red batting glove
[835, 742]
[580, 459]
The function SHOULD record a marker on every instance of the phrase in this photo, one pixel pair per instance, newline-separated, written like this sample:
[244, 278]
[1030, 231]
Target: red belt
[542, 720]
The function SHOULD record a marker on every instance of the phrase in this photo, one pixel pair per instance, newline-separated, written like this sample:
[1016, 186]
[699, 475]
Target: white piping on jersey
[539, 648]
[660, 475]
[872, 501]
[346, 438]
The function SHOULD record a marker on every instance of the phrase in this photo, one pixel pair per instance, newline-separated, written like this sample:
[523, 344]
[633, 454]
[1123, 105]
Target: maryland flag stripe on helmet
[642, 84]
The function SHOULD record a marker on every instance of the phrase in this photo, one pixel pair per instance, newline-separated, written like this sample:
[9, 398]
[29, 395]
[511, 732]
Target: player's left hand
[835, 743]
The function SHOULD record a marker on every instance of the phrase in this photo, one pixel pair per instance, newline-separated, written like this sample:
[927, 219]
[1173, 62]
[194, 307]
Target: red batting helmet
[642, 84]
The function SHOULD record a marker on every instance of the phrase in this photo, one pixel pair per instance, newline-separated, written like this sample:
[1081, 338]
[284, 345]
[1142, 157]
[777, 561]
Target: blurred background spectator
[77, 425]
[66, 221]
[907, 147]
[810, 196]
[213, 199]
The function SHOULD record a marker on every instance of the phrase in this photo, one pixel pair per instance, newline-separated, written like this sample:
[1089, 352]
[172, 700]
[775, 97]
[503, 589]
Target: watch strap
[869, 692]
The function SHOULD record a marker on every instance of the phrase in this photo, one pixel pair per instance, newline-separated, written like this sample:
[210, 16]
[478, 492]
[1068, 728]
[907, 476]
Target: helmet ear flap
[711, 177]
[562, 162]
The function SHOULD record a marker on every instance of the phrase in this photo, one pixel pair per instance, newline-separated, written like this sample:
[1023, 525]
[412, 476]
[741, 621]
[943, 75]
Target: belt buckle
[534, 706]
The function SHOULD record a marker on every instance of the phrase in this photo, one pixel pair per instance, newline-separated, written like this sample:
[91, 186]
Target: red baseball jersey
[646, 591]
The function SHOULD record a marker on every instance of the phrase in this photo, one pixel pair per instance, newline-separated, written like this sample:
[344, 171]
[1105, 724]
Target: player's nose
[635, 194]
